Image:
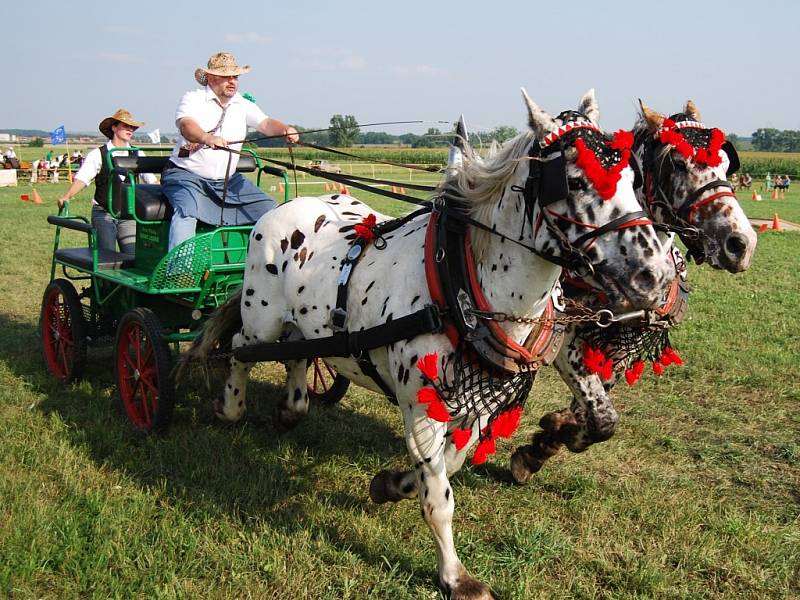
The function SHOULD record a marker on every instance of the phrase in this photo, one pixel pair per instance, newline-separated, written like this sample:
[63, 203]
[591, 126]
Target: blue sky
[76, 62]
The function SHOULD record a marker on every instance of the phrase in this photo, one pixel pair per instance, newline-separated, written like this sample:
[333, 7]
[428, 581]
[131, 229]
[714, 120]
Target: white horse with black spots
[296, 253]
[685, 167]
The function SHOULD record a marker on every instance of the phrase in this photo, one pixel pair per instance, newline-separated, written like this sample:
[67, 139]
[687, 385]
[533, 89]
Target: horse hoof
[469, 588]
[377, 488]
[284, 420]
[524, 464]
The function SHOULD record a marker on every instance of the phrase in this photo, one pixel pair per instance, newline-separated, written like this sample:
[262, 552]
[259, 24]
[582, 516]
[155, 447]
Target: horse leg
[295, 402]
[426, 441]
[591, 417]
[232, 405]
[395, 485]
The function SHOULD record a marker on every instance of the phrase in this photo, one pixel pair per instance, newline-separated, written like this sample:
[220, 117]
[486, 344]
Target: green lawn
[697, 496]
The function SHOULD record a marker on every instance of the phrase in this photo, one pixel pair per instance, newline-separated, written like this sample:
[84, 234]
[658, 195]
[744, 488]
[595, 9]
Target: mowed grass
[697, 496]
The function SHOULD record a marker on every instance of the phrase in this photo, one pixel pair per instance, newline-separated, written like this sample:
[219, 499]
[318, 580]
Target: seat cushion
[106, 259]
[151, 203]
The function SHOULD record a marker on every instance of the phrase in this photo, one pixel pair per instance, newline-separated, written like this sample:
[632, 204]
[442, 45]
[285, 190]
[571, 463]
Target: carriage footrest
[106, 259]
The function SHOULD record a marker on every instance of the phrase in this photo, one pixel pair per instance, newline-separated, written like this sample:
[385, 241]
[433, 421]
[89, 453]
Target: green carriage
[149, 302]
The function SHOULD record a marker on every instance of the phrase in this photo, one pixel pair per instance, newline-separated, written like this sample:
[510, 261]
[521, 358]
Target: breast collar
[453, 284]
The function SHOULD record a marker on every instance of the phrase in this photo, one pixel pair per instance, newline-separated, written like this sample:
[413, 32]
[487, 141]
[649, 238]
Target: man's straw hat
[122, 116]
[223, 64]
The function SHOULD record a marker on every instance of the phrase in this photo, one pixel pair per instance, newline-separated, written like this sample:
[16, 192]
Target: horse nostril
[736, 245]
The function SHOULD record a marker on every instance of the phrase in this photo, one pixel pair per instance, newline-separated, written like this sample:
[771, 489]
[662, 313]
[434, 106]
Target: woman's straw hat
[223, 64]
[121, 116]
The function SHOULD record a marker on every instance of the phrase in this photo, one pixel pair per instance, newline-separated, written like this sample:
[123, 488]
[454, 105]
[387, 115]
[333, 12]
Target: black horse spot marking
[303, 253]
[318, 223]
[300, 289]
[354, 202]
[334, 197]
[314, 307]
[235, 391]
[447, 494]
[405, 377]
[414, 300]
[370, 286]
[241, 403]
[247, 303]
[316, 331]
[352, 214]
[352, 236]
[297, 239]
[400, 372]
[272, 269]
[283, 267]
[297, 394]
[494, 268]
[505, 268]
[414, 359]
[250, 292]
[303, 310]
[364, 301]
[258, 237]
[284, 244]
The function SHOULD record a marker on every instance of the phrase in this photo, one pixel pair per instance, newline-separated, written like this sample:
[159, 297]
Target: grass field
[697, 496]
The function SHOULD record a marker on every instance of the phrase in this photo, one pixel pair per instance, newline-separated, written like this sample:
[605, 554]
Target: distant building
[8, 137]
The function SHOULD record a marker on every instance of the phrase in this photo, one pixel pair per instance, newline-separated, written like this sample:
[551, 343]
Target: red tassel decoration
[710, 156]
[658, 368]
[461, 437]
[428, 365]
[484, 449]
[438, 411]
[605, 180]
[676, 359]
[427, 395]
[596, 362]
[633, 374]
[506, 423]
[365, 228]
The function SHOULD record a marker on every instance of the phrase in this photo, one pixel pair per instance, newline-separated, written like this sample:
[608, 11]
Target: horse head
[687, 166]
[584, 209]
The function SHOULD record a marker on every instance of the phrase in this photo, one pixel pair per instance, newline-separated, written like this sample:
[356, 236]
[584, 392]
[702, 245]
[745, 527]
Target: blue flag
[58, 136]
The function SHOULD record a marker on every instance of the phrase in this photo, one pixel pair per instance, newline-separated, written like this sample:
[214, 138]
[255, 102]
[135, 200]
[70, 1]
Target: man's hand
[292, 137]
[215, 141]
[61, 201]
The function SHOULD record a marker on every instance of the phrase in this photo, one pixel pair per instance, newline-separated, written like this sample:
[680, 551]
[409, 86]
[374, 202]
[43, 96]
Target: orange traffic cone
[775, 194]
[403, 190]
[754, 196]
[37, 199]
[394, 189]
[325, 186]
[345, 190]
[24, 197]
[280, 187]
[776, 223]
[763, 227]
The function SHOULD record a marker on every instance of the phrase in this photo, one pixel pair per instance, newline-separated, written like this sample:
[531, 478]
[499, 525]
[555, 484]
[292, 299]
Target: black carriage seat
[151, 204]
[82, 257]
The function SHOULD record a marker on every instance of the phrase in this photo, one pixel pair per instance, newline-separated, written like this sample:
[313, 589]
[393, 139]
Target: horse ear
[588, 106]
[651, 117]
[541, 122]
[691, 110]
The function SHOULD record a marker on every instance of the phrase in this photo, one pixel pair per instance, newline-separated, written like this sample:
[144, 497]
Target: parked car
[324, 165]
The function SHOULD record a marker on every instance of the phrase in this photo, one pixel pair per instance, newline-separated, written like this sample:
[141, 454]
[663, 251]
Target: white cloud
[247, 37]
[329, 59]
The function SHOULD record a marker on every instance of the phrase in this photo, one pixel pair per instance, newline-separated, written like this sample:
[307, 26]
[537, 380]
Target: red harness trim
[435, 289]
[705, 201]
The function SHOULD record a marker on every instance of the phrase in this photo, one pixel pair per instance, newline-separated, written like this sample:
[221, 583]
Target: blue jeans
[110, 231]
[194, 198]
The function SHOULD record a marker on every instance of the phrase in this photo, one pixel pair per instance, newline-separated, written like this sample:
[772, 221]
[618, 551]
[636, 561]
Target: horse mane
[478, 181]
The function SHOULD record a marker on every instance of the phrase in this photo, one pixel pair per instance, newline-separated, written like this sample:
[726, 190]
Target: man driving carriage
[200, 181]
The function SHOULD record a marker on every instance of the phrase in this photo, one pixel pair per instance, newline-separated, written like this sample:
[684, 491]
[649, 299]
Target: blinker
[733, 158]
[553, 182]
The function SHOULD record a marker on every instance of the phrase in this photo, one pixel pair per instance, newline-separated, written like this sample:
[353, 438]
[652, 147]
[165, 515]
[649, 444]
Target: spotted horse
[685, 167]
[505, 231]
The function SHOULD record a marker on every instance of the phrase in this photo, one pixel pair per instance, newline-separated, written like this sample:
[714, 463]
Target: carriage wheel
[142, 367]
[324, 383]
[63, 331]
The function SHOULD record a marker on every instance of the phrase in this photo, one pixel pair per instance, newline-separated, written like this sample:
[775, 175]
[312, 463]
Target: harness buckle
[467, 312]
[338, 319]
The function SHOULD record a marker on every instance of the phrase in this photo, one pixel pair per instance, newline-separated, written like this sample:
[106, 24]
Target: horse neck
[513, 279]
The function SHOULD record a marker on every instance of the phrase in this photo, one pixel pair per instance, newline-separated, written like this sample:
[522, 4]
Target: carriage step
[82, 257]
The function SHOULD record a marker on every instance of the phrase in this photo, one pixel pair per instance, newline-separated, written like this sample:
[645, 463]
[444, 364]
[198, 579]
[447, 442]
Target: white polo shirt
[203, 107]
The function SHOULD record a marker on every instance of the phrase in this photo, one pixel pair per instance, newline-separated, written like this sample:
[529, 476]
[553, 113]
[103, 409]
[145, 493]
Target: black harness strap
[345, 343]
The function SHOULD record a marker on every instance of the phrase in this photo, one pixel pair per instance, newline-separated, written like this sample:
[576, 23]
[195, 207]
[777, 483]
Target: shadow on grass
[245, 469]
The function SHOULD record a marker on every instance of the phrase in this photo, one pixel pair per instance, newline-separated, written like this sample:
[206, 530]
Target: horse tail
[216, 336]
